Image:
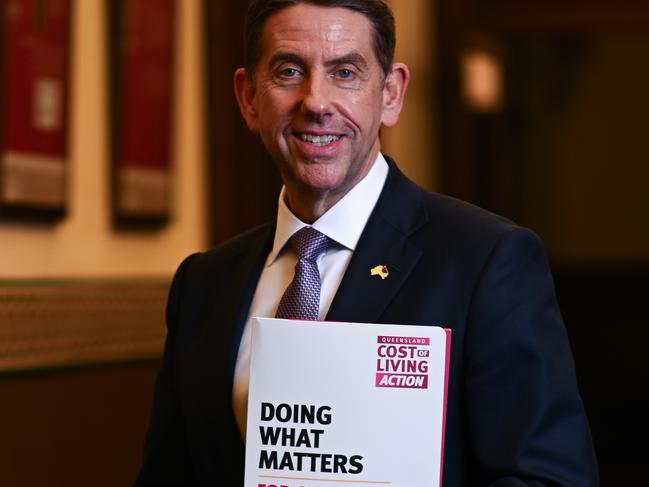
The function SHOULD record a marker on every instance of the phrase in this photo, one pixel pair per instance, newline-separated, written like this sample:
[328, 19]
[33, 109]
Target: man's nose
[317, 100]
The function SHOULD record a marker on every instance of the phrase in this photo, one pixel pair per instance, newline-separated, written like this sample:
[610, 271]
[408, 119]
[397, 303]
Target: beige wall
[412, 141]
[84, 244]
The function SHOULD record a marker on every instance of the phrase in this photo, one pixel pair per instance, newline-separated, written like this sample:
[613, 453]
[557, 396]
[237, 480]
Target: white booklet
[346, 404]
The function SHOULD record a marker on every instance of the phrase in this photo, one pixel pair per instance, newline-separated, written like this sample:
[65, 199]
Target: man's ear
[394, 91]
[244, 90]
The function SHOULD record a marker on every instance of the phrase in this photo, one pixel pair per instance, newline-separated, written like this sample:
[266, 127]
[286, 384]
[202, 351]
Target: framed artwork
[34, 64]
[142, 60]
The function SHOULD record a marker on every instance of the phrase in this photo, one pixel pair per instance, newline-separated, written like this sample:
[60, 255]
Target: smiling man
[355, 240]
[318, 96]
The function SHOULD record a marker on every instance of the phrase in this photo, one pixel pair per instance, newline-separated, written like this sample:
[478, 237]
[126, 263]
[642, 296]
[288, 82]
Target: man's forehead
[303, 25]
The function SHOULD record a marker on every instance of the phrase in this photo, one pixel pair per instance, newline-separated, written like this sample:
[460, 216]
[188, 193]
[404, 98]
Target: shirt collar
[344, 222]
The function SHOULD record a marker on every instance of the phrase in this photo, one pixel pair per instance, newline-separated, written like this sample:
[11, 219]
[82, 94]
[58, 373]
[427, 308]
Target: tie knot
[309, 243]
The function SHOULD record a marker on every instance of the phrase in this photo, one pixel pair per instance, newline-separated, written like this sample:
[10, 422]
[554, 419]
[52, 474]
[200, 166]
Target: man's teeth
[319, 140]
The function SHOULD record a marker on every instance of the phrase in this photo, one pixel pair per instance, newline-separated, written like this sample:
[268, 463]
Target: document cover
[346, 404]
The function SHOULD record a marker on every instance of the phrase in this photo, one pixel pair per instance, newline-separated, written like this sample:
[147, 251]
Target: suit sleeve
[166, 460]
[526, 419]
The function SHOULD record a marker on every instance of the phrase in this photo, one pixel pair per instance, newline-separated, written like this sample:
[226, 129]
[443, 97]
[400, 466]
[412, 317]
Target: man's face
[317, 98]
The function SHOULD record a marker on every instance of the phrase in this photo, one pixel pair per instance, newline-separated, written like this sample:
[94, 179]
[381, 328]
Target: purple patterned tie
[301, 300]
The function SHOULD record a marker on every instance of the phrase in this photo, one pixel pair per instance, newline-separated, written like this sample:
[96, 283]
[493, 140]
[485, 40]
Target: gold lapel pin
[380, 270]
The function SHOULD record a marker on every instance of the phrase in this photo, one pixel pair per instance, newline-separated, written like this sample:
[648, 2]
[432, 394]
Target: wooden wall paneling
[78, 361]
[458, 170]
[461, 22]
[71, 323]
[243, 182]
[561, 17]
[75, 427]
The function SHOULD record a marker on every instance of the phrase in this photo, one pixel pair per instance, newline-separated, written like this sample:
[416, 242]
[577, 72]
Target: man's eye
[345, 73]
[289, 72]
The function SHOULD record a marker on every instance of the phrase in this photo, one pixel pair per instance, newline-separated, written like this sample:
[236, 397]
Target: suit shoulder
[454, 216]
[461, 215]
[407, 206]
[471, 229]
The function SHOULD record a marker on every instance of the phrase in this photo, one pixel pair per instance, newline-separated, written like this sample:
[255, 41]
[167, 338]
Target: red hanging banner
[143, 58]
[34, 56]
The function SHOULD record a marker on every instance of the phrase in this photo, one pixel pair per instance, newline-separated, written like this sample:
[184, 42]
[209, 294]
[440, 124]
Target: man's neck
[309, 204]
[310, 207]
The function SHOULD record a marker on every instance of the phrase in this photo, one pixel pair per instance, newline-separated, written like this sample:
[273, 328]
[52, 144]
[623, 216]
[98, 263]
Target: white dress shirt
[343, 223]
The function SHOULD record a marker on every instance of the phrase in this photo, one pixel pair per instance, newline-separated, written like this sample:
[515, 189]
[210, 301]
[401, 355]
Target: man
[318, 84]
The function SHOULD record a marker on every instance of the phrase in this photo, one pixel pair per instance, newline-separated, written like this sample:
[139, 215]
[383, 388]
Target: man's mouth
[319, 140]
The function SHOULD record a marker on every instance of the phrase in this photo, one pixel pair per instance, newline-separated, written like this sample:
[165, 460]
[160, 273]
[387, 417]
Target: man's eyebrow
[281, 57]
[354, 58]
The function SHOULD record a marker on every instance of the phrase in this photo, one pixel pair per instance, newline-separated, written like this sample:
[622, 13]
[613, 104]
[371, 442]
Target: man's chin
[321, 177]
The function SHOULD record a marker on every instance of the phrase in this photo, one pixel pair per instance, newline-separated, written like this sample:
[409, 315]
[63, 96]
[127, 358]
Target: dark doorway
[563, 151]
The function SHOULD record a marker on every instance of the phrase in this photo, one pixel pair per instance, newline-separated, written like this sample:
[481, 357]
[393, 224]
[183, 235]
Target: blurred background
[534, 109]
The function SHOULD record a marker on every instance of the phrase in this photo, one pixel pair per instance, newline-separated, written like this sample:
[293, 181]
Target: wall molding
[47, 324]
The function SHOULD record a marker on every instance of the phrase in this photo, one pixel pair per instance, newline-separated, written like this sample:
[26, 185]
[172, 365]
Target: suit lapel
[242, 293]
[229, 304]
[361, 296]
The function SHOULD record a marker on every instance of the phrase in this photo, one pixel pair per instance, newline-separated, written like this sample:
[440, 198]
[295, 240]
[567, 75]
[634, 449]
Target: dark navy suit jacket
[514, 415]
